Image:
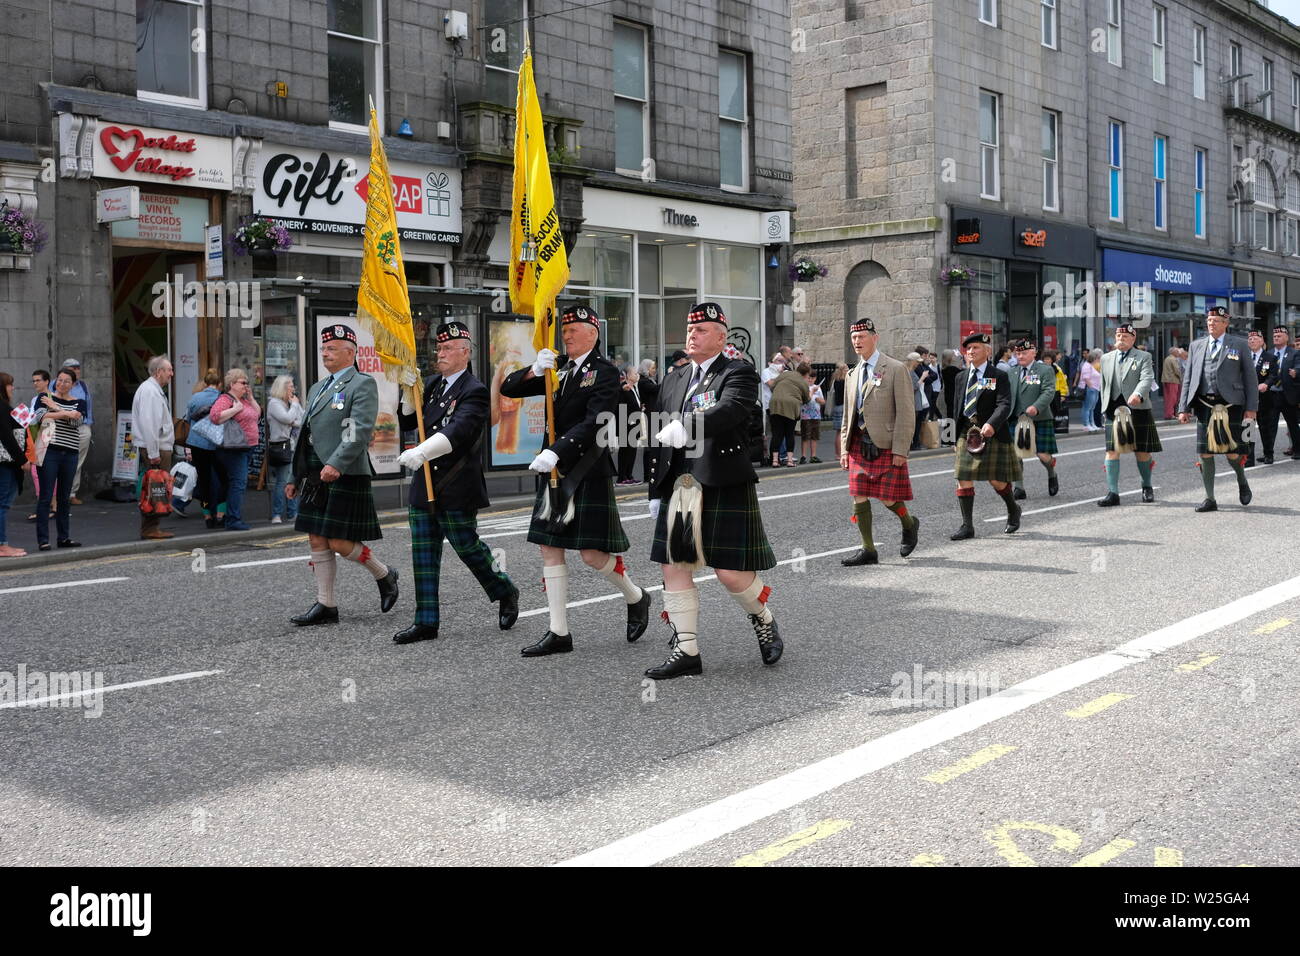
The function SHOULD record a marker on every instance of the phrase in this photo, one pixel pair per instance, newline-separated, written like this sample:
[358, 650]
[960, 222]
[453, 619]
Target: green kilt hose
[428, 529]
[1236, 414]
[998, 462]
[349, 512]
[733, 534]
[595, 525]
[1045, 435]
[1144, 427]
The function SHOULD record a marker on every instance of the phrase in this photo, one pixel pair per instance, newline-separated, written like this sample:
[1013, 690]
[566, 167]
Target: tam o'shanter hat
[706, 312]
[337, 333]
[863, 325]
[452, 330]
[582, 314]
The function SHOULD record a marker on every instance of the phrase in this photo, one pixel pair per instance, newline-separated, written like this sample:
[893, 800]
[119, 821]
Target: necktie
[569, 366]
[1024, 373]
[438, 391]
[972, 393]
[862, 396]
[1214, 350]
[695, 381]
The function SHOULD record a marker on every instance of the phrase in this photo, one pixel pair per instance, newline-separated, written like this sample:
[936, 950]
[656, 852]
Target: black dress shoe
[962, 533]
[387, 590]
[416, 632]
[910, 537]
[1018, 494]
[508, 611]
[1053, 486]
[861, 557]
[1243, 495]
[770, 644]
[1013, 518]
[1209, 504]
[69, 543]
[550, 644]
[679, 664]
[1267, 459]
[318, 614]
[638, 616]
[1110, 501]
[1148, 493]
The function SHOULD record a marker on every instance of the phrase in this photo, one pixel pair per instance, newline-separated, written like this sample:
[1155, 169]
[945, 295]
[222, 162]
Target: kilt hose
[349, 512]
[998, 462]
[1236, 414]
[1045, 435]
[1144, 427]
[733, 534]
[595, 523]
[878, 479]
[428, 529]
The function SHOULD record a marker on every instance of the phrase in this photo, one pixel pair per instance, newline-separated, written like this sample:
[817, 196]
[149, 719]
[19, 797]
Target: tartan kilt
[349, 512]
[595, 525]
[879, 478]
[1144, 427]
[1236, 415]
[1045, 435]
[733, 534]
[998, 462]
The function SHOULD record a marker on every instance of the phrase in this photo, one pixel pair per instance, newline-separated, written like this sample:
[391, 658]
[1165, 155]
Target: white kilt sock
[754, 600]
[363, 556]
[616, 574]
[683, 609]
[326, 569]
[556, 579]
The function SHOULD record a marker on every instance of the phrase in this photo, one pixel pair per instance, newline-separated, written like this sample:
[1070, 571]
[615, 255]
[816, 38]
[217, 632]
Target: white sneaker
[277, 520]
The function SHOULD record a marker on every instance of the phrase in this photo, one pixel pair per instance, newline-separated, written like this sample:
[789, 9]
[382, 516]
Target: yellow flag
[383, 304]
[534, 219]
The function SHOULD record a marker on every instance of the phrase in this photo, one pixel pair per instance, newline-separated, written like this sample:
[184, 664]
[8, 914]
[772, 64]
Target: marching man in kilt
[588, 388]
[1127, 374]
[455, 416]
[984, 448]
[331, 474]
[1033, 386]
[703, 496]
[1222, 390]
[875, 438]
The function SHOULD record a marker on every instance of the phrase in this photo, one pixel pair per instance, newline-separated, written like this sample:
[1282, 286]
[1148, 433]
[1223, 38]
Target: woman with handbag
[13, 455]
[58, 466]
[210, 488]
[237, 412]
[284, 415]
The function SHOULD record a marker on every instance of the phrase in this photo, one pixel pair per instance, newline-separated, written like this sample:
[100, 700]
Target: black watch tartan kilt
[1144, 427]
[349, 512]
[595, 525]
[1236, 415]
[998, 462]
[733, 534]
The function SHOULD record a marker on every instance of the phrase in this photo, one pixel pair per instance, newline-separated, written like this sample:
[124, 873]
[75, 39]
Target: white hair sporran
[1123, 434]
[685, 524]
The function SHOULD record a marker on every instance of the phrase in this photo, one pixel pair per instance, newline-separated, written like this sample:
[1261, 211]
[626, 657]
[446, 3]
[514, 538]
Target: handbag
[206, 428]
[278, 453]
[232, 436]
[43, 440]
[930, 433]
[20, 437]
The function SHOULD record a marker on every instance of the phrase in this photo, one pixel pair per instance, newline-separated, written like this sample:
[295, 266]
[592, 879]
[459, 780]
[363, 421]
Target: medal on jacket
[588, 380]
[337, 403]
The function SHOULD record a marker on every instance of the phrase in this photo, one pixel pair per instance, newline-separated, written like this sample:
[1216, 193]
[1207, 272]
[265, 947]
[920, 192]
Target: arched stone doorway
[867, 294]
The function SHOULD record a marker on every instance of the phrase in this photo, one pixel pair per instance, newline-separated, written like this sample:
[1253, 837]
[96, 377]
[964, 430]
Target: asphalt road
[1132, 678]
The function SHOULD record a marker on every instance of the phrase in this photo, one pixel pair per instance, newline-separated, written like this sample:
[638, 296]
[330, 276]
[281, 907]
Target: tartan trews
[461, 529]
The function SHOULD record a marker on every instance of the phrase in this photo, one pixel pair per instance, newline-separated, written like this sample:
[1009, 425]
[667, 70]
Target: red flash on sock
[618, 565]
[965, 492]
[365, 555]
[902, 511]
[764, 594]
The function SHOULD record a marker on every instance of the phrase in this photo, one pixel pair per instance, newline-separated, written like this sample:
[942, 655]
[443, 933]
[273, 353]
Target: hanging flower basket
[805, 270]
[259, 235]
[957, 276]
[20, 234]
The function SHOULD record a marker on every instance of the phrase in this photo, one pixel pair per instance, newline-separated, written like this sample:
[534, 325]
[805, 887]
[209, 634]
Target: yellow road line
[795, 841]
[1168, 856]
[1203, 661]
[967, 764]
[1107, 853]
[1097, 706]
[927, 859]
[1272, 626]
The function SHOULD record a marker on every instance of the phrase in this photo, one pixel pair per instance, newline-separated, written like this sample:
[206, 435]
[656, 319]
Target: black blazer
[1266, 368]
[584, 394]
[993, 406]
[462, 415]
[648, 389]
[1290, 386]
[725, 424]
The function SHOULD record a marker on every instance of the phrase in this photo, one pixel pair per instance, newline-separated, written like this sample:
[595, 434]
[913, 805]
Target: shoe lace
[764, 629]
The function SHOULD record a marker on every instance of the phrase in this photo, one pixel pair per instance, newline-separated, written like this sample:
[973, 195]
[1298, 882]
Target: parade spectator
[837, 403]
[13, 455]
[952, 368]
[789, 394]
[810, 417]
[678, 359]
[648, 389]
[284, 415]
[236, 403]
[1005, 361]
[1090, 382]
[210, 488]
[82, 391]
[630, 401]
[928, 372]
[1171, 381]
[920, 404]
[765, 379]
[1053, 358]
[153, 433]
[41, 387]
[59, 465]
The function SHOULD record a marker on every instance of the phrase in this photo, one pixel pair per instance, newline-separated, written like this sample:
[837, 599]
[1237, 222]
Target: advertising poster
[385, 444]
[124, 462]
[518, 425]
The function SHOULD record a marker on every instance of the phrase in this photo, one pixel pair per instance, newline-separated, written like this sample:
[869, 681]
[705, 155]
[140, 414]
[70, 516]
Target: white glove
[654, 507]
[407, 408]
[673, 435]
[433, 447]
[408, 376]
[547, 460]
[545, 359]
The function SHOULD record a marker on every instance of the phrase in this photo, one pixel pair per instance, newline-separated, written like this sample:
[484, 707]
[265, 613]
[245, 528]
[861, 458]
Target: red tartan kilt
[879, 478]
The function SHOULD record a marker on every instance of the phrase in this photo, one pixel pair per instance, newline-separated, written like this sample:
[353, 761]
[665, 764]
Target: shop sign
[1237, 294]
[1161, 272]
[1037, 238]
[163, 156]
[112, 205]
[216, 253]
[966, 231]
[319, 192]
[166, 218]
[1268, 287]
[776, 227]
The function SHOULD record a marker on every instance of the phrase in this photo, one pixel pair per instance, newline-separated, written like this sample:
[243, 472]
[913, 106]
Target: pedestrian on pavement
[331, 469]
[1053, 358]
[1005, 360]
[766, 377]
[82, 391]
[984, 449]
[648, 390]
[920, 404]
[59, 466]
[1090, 382]
[948, 375]
[711, 489]
[1219, 374]
[1286, 392]
[630, 425]
[1033, 388]
[152, 432]
[875, 439]
[837, 403]
[789, 393]
[455, 420]
[41, 387]
[928, 374]
[236, 404]
[284, 415]
[1171, 381]
[13, 456]
[210, 486]
[1126, 376]
[588, 387]
[810, 417]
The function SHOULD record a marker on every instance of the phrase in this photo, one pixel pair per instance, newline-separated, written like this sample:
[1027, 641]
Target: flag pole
[417, 400]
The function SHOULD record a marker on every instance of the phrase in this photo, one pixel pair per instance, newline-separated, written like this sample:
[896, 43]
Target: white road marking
[170, 679]
[249, 564]
[1070, 504]
[61, 584]
[705, 824]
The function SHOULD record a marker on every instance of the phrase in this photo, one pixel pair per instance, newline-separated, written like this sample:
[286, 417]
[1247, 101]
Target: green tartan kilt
[998, 462]
[595, 525]
[1236, 420]
[733, 534]
[1144, 427]
[349, 513]
[1045, 435]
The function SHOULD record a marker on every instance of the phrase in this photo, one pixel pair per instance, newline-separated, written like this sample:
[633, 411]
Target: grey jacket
[1236, 373]
[1136, 375]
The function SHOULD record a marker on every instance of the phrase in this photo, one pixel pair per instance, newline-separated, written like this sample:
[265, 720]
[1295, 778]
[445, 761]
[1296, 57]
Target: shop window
[601, 260]
[733, 121]
[171, 51]
[732, 270]
[631, 100]
[503, 48]
[355, 62]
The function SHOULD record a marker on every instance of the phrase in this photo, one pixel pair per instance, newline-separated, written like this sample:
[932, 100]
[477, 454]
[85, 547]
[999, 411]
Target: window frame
[377, 78]
[991, 6]
[1115, 159]
[1264, 212]
[1051, 165]
[994, 148]
[1160, 182]
[1200, 168]
[1234, 69]
[1266, 86]
[1198, 61]
[1159, 21]
[199, 102]
[647, 150]
[524, 15]
[744, 186]
[1048, 17]
[1295, 101]
[1115, 32]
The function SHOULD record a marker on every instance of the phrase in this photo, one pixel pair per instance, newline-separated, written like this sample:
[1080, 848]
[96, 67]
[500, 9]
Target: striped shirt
[66, 433]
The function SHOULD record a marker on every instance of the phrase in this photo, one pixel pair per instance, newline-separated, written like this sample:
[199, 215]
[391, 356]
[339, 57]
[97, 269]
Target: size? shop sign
[163, 156]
